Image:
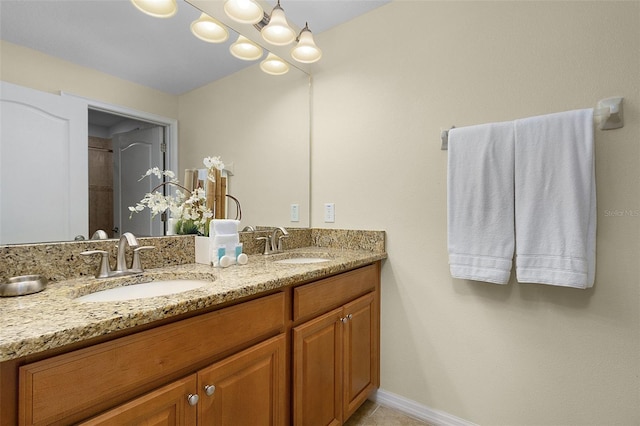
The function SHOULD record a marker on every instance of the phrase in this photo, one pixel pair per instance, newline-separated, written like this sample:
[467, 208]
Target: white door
[43, 166]
[134, 153]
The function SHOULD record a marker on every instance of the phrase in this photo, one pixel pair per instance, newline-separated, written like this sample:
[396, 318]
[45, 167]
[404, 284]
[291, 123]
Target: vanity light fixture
[157, 8]
[208, 29]
[274, 65]
[306, 50]
[245, 49]
[277, 31]
[244, 11]
[274, 29]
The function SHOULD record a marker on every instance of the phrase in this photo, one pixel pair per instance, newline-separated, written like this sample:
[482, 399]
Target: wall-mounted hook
[609, 113]
[444, 138]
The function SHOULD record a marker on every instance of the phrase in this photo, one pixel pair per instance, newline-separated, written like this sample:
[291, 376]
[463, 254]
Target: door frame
[170, 125]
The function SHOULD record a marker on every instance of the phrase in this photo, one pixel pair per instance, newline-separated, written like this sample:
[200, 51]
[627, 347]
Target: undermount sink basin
[143, 291]
[299, 260]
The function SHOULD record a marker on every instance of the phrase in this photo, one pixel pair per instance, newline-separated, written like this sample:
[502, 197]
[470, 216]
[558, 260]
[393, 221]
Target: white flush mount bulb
[274, 65]
[244, 11]
[208, 29]
[306, 50]
[277, 31]
[157, 8]
[245, 49]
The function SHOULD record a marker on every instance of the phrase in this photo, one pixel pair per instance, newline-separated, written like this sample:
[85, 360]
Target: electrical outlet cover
[329, 212]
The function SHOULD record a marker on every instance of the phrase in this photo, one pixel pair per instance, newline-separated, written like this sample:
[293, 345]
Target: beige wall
[388, 82]
[30, 68]
[260, 124]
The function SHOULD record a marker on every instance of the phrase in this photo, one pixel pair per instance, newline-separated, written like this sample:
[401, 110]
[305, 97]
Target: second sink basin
[143, 290]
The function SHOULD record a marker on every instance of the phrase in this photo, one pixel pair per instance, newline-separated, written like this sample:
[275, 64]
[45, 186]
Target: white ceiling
[114, 37]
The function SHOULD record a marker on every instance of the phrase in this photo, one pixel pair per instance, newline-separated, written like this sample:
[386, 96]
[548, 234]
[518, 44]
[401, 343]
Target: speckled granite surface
[60, 261]
[52, 318]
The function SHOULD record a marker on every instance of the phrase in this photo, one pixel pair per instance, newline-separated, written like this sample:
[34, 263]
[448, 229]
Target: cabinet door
[167, 406]
[360, 353]
[247, 388]
[317, 371]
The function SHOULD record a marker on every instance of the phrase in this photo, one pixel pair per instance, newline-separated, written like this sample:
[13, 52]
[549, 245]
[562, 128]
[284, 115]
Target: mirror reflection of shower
[121, 149]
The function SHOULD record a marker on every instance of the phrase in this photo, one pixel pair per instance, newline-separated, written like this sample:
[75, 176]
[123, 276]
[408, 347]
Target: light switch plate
[329, 212]
[295, 213]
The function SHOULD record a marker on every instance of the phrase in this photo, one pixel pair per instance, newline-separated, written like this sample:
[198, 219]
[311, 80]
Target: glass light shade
[277, 31]
[274, 65]
[157, 8]
[244, 11]
[208, 29]
[245, 49]
[306, 51]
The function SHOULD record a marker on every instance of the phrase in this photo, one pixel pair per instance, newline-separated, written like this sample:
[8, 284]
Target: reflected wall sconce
[274, 65]
[157, 8]
[244, 11]
[306, 50]
[277, 31]
[208, 29]
[245, 49]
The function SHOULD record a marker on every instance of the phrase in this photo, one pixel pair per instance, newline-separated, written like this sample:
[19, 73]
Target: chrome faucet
[273, 244]
[104, 270]
[99, 235]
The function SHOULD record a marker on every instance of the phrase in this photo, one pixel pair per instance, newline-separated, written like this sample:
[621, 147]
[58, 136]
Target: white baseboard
[418, 411]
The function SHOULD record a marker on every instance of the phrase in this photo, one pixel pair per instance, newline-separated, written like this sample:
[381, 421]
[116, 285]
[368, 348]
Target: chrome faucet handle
[104, 270]
[280, 238]
[267, 244]
[136, 264]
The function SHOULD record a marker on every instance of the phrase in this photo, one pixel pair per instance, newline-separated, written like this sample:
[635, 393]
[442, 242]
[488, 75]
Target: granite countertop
[52, 318]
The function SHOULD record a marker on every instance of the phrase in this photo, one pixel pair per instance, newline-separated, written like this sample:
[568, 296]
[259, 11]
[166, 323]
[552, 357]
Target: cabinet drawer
[321, 296]
[72, 386]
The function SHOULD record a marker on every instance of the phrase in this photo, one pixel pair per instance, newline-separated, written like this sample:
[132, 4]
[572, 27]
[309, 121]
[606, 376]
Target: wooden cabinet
[74, 386]
[336, 354]
[244, 389]
[247, 388]
[306, 355]
[360, 353]
[317, 371]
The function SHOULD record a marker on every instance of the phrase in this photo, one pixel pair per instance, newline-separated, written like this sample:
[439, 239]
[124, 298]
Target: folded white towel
[224, 226]
[480, 202]
[223, 232]
[555, 205]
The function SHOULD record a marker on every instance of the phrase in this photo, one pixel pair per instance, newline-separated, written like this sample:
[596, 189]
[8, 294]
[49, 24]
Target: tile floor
[372, 414]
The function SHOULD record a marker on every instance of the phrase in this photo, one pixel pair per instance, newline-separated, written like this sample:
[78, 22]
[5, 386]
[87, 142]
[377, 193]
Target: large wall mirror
[258, 123]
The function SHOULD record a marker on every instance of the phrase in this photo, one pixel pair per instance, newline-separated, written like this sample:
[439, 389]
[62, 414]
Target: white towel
[223, 232]
[480, 202]
[555, 203]
[223, 226]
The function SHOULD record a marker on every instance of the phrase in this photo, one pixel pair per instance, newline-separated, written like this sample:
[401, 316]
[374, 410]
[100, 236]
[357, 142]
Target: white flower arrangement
[188, 207]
